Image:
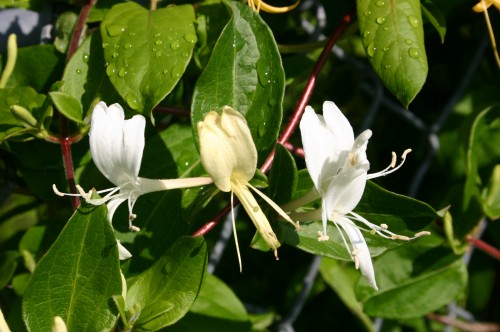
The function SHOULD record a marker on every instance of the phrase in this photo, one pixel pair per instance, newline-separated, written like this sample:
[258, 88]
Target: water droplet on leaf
[158, 42]
[85, 57]
[122, 73]
[414, 22]
[380, 20]
[367, 13]
[175, 45]
[78, 71]
[177, 71]
[366, 33]
[104, 45]
[115, 54]
[409, 42]
[380, 3]
[190, 38]
[414, 52]
[370, 50]
[114, 30]
[127, 46]
[132, 101]
[111, 69]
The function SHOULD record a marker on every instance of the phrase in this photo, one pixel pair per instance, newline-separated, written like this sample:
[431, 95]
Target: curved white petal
[317, 143]
[122, 251]
[360, 252]
[112, 205]
[338, 125]
[116, 144]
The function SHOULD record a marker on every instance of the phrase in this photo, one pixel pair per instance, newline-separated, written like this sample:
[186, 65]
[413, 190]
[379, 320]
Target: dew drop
[370, 50]
[414, 22]
[409, 42]
[367, 13]
[158, 54]
[262, 129]
[104, 45]
[154, 49]
[190, 38]
[157, 35]
[114, 30]
[263, 74]
[127, 46]
[380, 20]
[386, 28]
[122, 73]
[385, 49]
[175, 45]
[116, 46]
[177, 71]
[131, 33]
[111, 69]
[78, 71]
[387, 66]
[185, 54]
[132, 101]
[366, 33]
[85, 57]
[158, 42]
[380, 3]
[115, 54]
[165, 71]
[414, 52]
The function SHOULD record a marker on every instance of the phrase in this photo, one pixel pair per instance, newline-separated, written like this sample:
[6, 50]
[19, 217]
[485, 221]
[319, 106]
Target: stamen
[400, 237]
[394, 160]
[356, 251]
[56, 191]
[134, 228]
[233, 219]
[276, 254]
[322, 237]
[392, 167]
[384, 226]
[356, 262]
[422, 233]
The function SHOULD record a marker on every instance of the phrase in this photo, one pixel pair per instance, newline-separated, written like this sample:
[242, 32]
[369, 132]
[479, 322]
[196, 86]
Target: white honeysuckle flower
[58, 325]
[116, 146]
[229, 156]
[338, 166]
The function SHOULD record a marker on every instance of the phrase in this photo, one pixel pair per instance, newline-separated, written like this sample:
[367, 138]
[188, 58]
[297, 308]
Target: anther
[322, 237]
[384, 226]
[276, 254]
[394, 160]
[133, 228]
[356, 262]
[405, 153]
[422, 233]
[400, 237]
[56, 191]
[132, 217]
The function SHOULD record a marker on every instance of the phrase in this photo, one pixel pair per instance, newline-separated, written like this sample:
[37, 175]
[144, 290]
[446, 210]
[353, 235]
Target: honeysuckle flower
[229, 156]
[338, 167]
[258, 5]
[116, 146]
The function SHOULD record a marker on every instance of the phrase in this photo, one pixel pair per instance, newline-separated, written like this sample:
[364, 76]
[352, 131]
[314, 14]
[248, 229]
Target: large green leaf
[403, 215]
[216, 309]
[77, 277]
[393, 37]
[414, 280]
[283, 176]
[89, 86]
[163, 294]
[244, 72]
[342, 280]
[147, 51]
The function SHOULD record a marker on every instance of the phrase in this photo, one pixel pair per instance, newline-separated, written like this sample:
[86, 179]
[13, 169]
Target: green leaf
[17, 213]
[483, 143]
[435, 17]
[89, 86]
[403, 215]
[147, 51]
[164, 293]
[67, 105]
[64, 30]
[414, 280]
[38, 67]
[26, 97]
[77, 277]
[491, 202]
[36, 5]
[342, 280]
[283, 176]
[393, 37]
[244, 72]
[216, 309]
[9, 261]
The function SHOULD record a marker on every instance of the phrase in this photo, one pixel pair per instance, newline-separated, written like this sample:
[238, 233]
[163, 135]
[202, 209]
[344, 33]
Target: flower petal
[227, 149]
[116, 144]
[338, 125]
[360, 252]
[112, 205]
[122, 251]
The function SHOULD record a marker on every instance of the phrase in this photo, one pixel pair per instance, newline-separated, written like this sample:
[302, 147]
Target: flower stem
[485, 247]
[306, 95]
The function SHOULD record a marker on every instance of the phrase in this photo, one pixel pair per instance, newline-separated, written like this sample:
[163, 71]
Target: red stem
[306, 95]
[64, 139]
[483, 246]
[294, 121]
